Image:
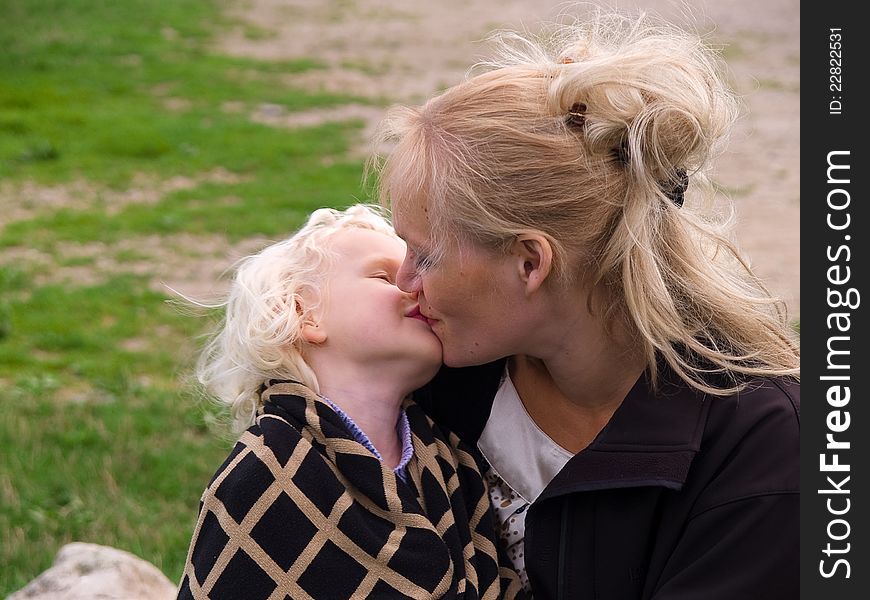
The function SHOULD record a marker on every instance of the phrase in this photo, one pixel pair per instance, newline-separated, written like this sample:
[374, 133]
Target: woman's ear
[534, 256]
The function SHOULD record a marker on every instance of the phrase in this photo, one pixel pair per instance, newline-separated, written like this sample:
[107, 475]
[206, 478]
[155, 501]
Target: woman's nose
[408, 279]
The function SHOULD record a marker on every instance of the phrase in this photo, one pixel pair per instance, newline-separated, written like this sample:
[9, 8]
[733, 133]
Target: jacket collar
[651, 440]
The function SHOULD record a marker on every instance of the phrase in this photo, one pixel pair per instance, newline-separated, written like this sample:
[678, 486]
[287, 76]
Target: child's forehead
[357, 244]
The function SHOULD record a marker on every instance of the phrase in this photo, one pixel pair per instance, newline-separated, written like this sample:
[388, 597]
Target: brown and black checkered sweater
[300, 509]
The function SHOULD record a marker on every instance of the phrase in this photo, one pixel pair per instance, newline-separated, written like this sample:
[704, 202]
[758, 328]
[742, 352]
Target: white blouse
[522, 461]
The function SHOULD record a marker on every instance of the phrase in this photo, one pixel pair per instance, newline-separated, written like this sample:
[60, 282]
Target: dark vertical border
[835, 226]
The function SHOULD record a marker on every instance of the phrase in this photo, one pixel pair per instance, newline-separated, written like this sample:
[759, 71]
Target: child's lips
[416, 314]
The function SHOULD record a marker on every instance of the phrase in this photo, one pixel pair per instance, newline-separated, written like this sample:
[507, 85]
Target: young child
[339, 486]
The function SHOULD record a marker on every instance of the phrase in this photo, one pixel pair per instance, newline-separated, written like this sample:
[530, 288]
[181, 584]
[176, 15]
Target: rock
[93, 572]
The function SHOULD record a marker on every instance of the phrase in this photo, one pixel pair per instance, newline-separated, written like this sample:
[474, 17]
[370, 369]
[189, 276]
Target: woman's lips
[416, 314]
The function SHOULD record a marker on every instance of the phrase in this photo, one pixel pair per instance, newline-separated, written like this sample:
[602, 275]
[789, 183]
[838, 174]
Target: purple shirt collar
[403, 428]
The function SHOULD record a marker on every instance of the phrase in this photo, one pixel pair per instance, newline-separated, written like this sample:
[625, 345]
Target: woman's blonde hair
[588, 135]
[272, 295]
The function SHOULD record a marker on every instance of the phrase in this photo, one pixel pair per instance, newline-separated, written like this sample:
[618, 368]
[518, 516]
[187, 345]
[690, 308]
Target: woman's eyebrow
[411, 243]
[400, 234]
[414, 245]
[400, 231]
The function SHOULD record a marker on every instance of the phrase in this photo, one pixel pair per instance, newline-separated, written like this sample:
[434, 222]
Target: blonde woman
[339, 486]
[631, 386]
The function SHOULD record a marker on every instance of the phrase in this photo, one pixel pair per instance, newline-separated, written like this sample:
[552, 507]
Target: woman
[634, 390]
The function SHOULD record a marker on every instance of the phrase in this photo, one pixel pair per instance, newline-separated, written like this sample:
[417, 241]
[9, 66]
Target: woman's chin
[470, 357]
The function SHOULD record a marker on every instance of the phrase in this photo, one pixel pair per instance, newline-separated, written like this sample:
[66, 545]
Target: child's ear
[313, 333]
[534, 257]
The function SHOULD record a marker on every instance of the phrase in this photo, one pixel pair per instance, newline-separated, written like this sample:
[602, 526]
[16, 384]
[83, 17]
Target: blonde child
[339, 486]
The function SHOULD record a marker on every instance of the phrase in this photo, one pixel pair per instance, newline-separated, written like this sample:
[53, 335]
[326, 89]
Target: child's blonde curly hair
[272, 295]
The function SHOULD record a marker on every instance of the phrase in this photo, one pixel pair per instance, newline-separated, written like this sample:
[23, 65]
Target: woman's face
[472, 297]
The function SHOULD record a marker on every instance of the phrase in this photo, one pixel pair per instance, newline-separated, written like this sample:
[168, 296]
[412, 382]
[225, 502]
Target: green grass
[270, 202]
[777, 85]
[104, 440]
[107, 447]
[82, 87]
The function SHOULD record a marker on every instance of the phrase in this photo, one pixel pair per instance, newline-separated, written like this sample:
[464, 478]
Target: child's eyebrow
[382, 262]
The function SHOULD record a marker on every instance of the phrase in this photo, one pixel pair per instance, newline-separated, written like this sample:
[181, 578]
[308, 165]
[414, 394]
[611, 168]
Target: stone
[92, 572]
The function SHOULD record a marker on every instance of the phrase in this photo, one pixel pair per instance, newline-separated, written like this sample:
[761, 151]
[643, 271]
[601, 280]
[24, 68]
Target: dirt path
[405, 51]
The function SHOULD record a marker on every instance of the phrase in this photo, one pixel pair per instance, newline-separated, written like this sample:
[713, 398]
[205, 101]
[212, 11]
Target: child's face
[367, 320]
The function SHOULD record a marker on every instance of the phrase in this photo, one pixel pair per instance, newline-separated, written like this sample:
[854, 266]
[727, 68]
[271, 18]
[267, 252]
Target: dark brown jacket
[681, 496]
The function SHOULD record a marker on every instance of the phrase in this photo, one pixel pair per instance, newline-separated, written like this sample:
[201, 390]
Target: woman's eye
[421, 263]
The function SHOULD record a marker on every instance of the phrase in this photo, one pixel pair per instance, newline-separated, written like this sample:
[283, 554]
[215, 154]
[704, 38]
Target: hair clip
[567, 61]
[674, 189]
[577, 114]
[621, 153]
[678, 191]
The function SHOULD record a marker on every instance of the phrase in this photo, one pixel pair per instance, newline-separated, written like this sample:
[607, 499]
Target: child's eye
[385, 277]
